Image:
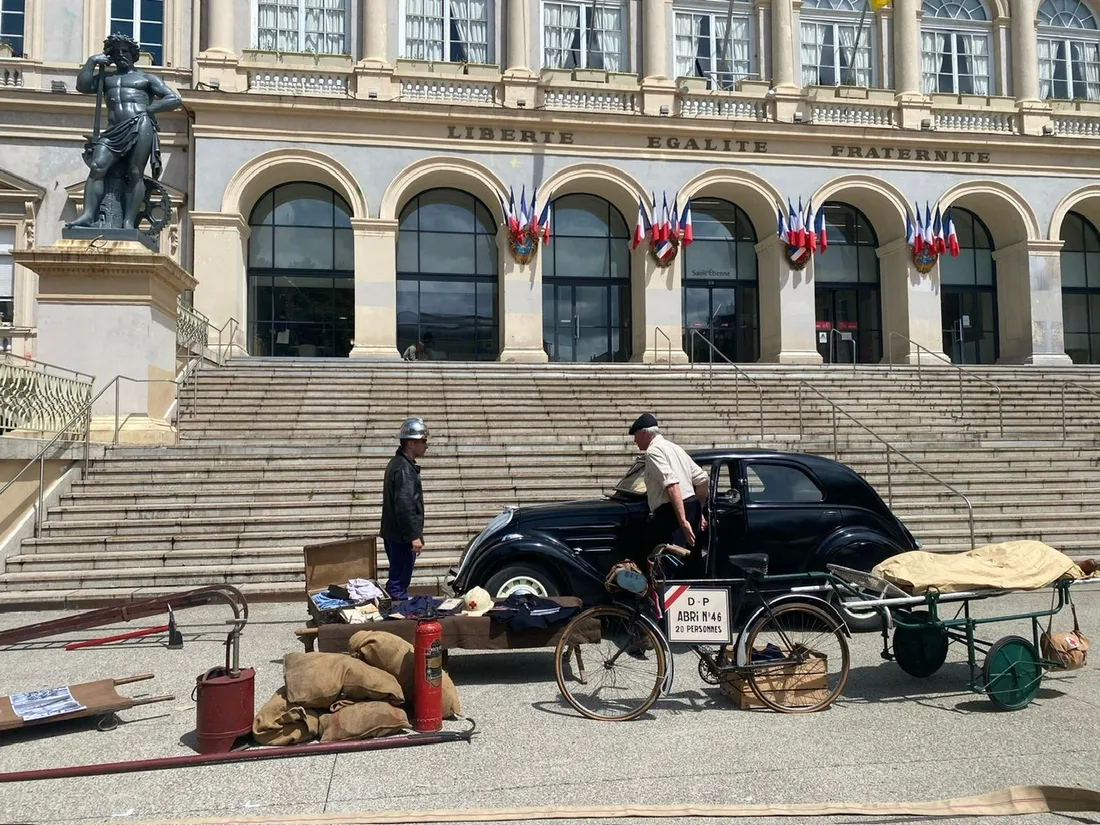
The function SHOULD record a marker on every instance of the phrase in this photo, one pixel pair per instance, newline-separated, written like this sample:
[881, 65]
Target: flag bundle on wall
[667, 228]
[802, 230]
[526, 221]
[931, 235]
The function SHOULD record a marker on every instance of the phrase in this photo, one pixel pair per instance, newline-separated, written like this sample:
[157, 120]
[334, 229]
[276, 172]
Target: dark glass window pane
[1073, 233]
[409, 217]
[125, 27]
[259, 247]
[407, 259]
[15, 6]
[487, 252]
[344, 250]
[261, 212]
[303, 204]
[302, 248]
[447, 253]
[152, 10]
[581, 215]
[447, 210]
[152, 35]
[122, 8]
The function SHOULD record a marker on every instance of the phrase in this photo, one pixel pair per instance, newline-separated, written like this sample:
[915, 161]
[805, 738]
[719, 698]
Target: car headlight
[498, 523]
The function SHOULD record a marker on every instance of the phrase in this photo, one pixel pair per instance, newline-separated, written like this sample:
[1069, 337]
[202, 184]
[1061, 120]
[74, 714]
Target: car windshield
[633, 483]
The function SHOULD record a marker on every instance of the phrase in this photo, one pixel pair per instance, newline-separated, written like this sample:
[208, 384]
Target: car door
[787, 514]
[726, 517]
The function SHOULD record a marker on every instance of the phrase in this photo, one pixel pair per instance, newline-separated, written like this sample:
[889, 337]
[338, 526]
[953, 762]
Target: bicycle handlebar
[674, 549]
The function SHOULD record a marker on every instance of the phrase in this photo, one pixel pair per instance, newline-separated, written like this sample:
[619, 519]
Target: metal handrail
[736, 384]
[1066, 384]
[889, 472]
[45, 364]
[657, 330]
[962, 371]
[840, 337]
[85, 414]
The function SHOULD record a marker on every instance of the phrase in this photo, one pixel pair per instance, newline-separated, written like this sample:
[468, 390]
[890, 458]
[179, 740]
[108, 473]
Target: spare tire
[523, 577]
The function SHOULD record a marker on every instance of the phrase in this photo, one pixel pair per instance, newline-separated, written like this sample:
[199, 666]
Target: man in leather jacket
[403, 508]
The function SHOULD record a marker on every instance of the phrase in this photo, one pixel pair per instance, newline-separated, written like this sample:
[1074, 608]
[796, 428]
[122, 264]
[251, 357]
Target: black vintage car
[802, 510]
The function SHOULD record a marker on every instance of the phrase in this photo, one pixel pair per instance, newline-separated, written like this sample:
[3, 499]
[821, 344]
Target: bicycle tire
[573, 634]
[756, 677]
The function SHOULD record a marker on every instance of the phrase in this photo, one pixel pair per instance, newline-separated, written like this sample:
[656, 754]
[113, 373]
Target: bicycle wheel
[609, 664]
[809, 633]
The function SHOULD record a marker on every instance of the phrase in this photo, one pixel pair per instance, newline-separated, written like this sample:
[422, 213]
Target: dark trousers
[665, 529]
[401, 558]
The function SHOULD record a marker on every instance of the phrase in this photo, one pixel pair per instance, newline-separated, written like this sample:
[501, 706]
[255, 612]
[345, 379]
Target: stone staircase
[276, 454]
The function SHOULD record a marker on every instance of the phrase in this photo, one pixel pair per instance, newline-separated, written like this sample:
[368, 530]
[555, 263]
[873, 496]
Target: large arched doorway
[1081, 288]
[301, 284]
[586, 282]
[849, 313]
[968, 295]
[447, 263]
[720, 297]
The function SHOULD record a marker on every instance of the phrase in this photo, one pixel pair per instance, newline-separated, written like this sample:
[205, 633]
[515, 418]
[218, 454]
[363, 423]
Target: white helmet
[413, 429]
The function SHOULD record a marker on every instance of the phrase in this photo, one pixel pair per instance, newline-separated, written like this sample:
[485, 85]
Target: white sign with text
[697, 615]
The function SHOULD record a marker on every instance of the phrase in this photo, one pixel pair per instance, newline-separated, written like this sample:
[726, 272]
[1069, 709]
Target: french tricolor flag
[642, 227]
[937, 232]
[686, 232]
[654, 224]
[811, 230]
[952, 238]
[666, 229]
[544, 222]
[820, 229]
[781, 224]
[918, 229]
[513, 222]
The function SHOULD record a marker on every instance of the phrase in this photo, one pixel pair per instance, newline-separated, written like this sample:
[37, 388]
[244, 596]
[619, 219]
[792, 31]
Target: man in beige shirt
[676, 486]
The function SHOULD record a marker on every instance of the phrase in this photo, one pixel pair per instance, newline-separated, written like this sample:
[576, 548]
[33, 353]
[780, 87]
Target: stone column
[907, 47]
[375, 30]
[656, 304]
[658, 88]
[520, 82]
[911, 306]
[787, 307]
[375, 289]
[1029, 303]
[1025, 55]
[111, 311]
[217, 63]
[221, 250]
[520, 304]
[783, 44]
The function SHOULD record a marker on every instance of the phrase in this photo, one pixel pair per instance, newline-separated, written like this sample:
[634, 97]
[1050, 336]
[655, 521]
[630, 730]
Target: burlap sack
[393, 654]
[280, 723]
[363, 720]
[316, 680]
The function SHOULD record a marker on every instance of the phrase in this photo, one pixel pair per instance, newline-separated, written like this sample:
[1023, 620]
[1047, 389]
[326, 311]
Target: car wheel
[521, 578]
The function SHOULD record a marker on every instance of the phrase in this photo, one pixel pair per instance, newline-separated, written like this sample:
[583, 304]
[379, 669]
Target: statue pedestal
[109, 308]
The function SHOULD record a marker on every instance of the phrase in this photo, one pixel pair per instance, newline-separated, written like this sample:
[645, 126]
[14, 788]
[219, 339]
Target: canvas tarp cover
[1010, 565]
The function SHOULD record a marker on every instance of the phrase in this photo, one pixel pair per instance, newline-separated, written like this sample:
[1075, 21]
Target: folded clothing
[363, 590]
[325, 602]
[525, 611]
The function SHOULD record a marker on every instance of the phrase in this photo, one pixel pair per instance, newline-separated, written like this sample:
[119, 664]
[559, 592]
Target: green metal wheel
[920, 651]
[1012, 673]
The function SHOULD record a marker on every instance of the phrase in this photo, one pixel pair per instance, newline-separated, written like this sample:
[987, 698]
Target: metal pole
[118, 384]
[855, 49]
[41, 484]
[890, 480]
[962, 408]
[836, 445]
[1063, 413]
[800, 411]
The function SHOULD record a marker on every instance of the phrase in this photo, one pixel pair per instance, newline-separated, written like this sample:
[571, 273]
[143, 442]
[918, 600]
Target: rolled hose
[281, 752]
[1016, 800]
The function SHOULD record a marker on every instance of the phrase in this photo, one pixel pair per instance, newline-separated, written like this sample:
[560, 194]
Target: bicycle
[627, 638]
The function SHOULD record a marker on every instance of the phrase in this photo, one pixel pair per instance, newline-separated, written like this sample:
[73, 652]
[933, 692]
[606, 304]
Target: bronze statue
[117, 194]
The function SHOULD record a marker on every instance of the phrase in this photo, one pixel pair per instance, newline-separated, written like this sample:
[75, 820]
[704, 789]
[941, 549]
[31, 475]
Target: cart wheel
[920, 651]
[1012, 673]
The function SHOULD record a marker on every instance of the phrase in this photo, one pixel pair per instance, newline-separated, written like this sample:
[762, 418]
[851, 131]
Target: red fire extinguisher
[428, 684]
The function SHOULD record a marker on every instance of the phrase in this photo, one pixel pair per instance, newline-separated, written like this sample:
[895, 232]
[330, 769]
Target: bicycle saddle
[750, 564]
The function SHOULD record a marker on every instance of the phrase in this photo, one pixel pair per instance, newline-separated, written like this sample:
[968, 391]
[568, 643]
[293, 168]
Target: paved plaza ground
[890, 738]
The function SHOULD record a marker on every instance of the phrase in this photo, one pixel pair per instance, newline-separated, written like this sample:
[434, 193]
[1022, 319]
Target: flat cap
[645, 420]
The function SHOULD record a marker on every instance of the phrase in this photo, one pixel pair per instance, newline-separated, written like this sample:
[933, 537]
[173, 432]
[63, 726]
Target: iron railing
[740, 373]
[961, 372]
[837, 337]
[84, 414]
[194, 330]
[658, 331]
[838, 410]
[40, 397]
[1066, 385]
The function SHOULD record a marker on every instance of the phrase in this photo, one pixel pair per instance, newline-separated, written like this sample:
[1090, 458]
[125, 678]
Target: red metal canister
[225, 707]
[428, 684]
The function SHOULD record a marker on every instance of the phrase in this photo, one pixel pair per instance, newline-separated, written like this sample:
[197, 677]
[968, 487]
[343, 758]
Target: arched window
[956, 42]
[1069, 51]
[714, 41]
[447, 262]
[847, 291]
[721, 301]
[1081, 288]
[829, 56]
[586, 282]
[301, 273]
[968, 293]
